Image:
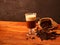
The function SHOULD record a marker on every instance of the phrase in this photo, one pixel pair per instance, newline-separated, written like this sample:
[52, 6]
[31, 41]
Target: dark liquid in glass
[31, 24]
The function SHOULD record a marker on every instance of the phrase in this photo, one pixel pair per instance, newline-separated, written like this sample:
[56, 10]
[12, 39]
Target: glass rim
[30, 13]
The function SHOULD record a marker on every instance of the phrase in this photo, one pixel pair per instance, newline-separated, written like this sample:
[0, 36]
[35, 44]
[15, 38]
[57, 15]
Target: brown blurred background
[14, 10]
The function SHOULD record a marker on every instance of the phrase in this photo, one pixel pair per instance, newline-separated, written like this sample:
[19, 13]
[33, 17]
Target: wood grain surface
[14, 33]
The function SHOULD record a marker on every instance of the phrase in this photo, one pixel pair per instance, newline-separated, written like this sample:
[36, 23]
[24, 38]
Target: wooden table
[14, 33]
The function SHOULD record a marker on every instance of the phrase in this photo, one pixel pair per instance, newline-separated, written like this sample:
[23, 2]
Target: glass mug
[31, 23]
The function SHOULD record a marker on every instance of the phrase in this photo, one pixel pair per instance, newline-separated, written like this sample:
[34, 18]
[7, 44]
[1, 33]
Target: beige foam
[30, 17]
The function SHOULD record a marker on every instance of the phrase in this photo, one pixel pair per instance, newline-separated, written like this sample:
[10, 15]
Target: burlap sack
[54, 24]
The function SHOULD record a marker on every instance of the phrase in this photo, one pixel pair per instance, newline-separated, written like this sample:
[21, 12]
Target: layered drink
[30, 19]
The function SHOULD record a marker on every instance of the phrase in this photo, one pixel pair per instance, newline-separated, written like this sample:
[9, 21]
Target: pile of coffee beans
[43, 35]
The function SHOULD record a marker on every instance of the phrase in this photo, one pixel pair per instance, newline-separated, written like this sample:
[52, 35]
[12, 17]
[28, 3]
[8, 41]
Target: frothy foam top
[30, 17]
